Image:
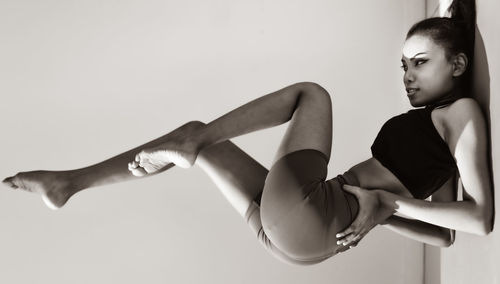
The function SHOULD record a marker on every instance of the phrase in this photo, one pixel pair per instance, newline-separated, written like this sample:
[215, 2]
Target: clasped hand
[370, 213]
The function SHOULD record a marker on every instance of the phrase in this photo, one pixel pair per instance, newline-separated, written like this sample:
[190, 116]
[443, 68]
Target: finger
[345, 232]
[352, 239]
[342, 249]
[350, 188]
[138, 157]
[347, 239]
[356, 239]
[343, 240]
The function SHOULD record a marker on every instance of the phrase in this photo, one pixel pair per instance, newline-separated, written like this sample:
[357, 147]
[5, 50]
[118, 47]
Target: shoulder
[461, 112]
[462, 104]
[464, 121]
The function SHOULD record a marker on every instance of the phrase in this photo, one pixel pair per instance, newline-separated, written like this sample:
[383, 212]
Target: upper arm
[467, 140]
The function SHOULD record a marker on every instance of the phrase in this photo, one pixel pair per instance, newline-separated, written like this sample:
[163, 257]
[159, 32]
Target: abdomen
[371, 174]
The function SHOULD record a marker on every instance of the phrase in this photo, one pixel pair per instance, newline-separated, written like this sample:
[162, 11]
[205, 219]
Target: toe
[9, 181]
[139, 172]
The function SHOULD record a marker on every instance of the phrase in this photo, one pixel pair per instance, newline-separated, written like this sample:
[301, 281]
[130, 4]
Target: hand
[370, 213]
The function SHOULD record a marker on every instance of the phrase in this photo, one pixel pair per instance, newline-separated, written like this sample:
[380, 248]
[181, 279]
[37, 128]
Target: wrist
[385, 200]
[388, 220]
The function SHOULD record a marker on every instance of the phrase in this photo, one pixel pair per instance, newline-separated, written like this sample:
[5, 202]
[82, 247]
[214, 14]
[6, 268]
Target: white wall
[474, 259]
[81, 81]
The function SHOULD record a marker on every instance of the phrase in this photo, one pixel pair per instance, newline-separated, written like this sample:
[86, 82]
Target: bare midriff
[371, 174]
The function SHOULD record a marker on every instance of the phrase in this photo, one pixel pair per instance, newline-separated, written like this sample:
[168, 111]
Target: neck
[455, 94]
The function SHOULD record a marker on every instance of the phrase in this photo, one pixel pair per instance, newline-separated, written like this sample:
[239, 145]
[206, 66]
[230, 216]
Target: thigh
[254, 221]
[241, 180]
[239, 177]
[311, 124]
[301, 211]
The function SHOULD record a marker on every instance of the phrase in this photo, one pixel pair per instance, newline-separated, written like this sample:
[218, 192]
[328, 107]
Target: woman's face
[428, 74]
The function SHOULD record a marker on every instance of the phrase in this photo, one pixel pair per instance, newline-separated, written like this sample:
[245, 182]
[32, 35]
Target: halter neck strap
[440, 104]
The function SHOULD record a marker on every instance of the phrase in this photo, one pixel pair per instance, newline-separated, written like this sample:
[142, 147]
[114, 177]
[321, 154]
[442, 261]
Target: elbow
[484, 225]
[446, 244]
[448, 238]
[485, 229]
[486, 222]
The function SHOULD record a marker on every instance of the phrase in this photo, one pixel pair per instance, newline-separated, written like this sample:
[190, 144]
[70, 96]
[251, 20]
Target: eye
[403, 67]
[420, 62]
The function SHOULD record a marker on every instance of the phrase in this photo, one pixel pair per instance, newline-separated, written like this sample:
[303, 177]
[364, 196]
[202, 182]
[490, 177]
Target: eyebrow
[413, 58]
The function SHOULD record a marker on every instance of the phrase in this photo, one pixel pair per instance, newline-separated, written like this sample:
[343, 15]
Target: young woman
[292, 208]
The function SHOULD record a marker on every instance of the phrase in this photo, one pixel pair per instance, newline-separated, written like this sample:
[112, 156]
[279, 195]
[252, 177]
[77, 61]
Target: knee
[196, 123]
[313, 88]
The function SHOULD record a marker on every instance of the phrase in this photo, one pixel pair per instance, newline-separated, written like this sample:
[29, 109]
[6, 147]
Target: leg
[301, 211]
[310, 130]
[240, 178]
[57, 187]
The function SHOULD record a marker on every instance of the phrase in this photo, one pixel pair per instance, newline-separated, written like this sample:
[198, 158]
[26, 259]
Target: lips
[411, 91]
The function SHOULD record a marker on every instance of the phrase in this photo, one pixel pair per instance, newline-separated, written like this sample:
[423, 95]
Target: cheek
[438, 79]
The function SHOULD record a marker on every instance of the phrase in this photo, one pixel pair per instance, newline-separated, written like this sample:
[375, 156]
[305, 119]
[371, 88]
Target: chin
[416, 103]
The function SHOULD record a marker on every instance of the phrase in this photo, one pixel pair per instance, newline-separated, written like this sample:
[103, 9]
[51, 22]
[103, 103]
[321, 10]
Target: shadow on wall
[481, 92]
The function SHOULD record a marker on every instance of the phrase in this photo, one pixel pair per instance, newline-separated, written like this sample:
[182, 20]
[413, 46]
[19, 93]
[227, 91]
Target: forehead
[420, 44]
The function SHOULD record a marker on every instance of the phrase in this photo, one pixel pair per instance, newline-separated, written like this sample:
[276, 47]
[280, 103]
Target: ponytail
[463, 13]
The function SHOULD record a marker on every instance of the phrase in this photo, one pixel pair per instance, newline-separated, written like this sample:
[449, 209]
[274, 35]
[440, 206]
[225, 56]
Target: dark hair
[455, 34]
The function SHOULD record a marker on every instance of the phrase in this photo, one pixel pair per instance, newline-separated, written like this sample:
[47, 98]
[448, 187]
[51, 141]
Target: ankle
[198, 135]
[76, 180]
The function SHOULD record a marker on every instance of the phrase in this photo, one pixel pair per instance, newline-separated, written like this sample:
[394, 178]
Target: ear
[460, 63]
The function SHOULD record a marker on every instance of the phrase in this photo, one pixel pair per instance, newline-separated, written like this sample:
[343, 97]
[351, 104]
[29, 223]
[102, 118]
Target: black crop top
[412, 149]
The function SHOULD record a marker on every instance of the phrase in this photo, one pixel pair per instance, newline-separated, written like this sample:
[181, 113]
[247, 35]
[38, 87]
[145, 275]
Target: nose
[408, 77]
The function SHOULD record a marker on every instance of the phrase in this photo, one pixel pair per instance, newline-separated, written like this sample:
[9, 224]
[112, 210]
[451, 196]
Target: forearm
[420, 231]
[267, 111]
[463, 216]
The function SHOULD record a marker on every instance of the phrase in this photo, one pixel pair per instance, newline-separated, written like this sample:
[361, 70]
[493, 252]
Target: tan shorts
[300, 212]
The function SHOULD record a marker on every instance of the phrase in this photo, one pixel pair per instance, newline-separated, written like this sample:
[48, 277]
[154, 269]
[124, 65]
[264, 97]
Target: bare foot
[181, 150]
[54, 186]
